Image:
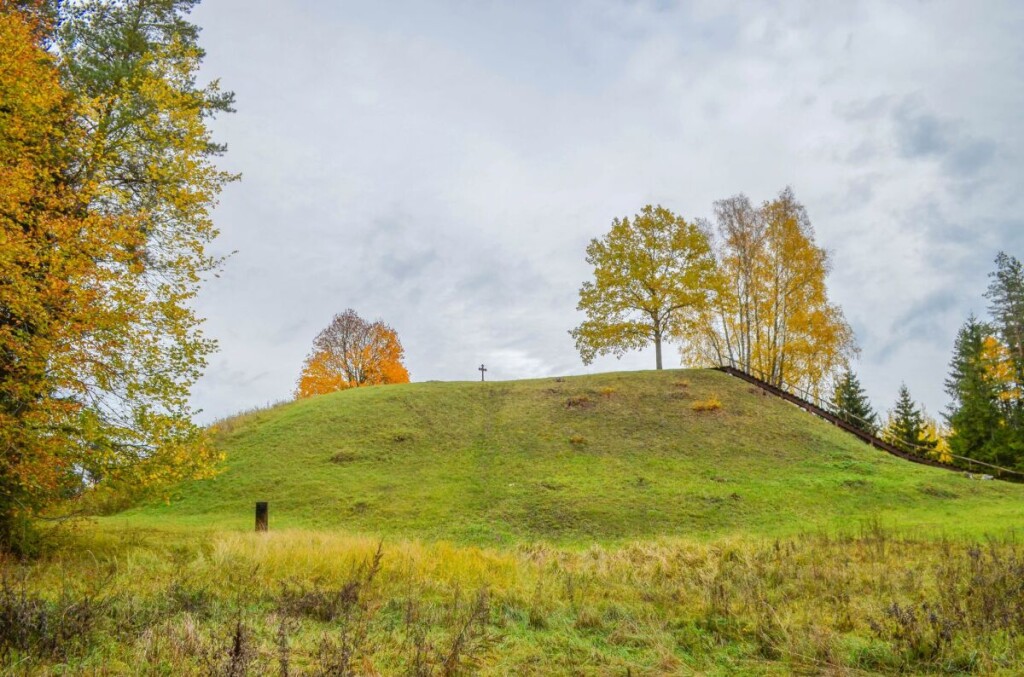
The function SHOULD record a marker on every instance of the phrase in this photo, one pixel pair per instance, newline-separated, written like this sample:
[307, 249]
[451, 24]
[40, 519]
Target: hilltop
[607, 457]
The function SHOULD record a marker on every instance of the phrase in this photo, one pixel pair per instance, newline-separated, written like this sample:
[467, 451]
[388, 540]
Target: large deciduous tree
[107, 182]
[773, 317]
[652, 274]
[351, 352]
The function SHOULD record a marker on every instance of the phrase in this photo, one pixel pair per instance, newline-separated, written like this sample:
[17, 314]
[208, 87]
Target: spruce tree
[974, 413]
[850, 403]
[1006, 306]
[906, 427]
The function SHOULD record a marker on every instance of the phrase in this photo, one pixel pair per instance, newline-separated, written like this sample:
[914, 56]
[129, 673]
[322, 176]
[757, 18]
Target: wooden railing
[803, 399]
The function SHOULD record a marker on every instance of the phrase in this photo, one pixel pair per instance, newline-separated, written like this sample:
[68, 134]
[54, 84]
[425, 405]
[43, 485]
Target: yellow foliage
[98, 344]
[933, 433]
[999, 369]
[651, 275]
[712, 403]
[771, 315]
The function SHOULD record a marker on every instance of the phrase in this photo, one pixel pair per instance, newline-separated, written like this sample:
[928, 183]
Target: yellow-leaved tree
[652, 275]
[772, 316]
[106, 182]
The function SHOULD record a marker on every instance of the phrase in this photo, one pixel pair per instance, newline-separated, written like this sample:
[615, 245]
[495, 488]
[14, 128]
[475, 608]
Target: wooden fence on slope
[796, 396]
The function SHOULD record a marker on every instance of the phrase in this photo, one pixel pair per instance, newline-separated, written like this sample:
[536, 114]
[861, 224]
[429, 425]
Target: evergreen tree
[974, 413]
[850, 403]
[1006, 305]
[906, 427]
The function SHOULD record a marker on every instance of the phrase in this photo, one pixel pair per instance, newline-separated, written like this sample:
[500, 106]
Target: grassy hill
[594, 525]
[608, 458]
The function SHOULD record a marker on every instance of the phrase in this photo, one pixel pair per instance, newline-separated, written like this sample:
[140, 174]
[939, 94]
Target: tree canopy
[652, 274]
[986, 376]
[351, 352]
[772, 316]
[107, 183]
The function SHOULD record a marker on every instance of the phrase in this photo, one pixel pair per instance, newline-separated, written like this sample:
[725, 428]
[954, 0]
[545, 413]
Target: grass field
[605, 458]
[601, 525]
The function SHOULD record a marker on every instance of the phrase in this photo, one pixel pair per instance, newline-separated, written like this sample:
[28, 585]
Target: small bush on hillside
[607, 392]
[937, 492]
[577, 439]
[579, 402]
[710, 404]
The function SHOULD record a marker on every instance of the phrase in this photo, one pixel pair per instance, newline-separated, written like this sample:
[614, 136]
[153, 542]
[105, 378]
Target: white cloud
[443, 165]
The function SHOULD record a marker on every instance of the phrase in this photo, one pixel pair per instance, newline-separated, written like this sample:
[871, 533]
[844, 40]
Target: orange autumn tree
[47, 290]
[351, 352]
[106, 183]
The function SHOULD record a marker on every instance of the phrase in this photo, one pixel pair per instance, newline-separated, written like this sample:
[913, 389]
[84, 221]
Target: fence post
[262, 518]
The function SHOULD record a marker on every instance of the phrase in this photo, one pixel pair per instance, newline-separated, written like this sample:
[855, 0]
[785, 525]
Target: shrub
[577, 439]
[710, 404]
[607, 391]
[330, 604]
[578, 402]
[31, 624]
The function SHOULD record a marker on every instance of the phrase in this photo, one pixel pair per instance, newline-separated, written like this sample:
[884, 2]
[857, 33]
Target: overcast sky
[442, 166]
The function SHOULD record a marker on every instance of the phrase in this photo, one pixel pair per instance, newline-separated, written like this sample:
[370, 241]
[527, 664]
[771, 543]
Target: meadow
[314, 602]
[650, 523]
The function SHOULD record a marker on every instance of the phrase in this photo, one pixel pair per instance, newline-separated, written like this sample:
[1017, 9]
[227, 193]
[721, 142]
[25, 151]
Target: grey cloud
[857, 110]
[922, 321]
[920, 134]
[971, 155]
[443, 166]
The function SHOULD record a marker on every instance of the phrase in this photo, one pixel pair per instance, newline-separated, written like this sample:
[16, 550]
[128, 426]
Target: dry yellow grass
[873, 602]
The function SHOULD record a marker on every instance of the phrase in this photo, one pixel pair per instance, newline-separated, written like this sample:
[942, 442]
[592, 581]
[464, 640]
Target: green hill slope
[606, 457]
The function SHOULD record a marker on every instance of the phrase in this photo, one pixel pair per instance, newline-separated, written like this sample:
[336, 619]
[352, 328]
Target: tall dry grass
[304, 602]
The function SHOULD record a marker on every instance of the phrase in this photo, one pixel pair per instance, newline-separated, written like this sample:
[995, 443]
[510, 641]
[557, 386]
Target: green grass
[645, 523]
[605, 458]
[299, 602]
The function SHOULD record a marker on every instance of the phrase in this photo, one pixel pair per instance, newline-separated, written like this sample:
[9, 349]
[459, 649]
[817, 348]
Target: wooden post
[262, 520]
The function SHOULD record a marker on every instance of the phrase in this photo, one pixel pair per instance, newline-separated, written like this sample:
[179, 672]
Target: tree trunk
[657, 350]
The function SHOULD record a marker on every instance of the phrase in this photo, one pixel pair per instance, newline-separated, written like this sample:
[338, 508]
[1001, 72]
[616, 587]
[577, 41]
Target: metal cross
[481, 369]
